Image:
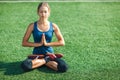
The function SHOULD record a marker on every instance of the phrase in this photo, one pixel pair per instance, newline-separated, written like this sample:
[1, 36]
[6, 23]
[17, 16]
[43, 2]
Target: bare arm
[60, 40]
[26, 37]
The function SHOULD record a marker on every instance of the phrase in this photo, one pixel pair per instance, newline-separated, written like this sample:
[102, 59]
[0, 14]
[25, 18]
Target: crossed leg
[37, 63]
[57, 65]
[30, 64]
[52, 64]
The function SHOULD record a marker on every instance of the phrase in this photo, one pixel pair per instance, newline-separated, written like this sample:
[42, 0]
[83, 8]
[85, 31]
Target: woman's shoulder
[55, 26]
[31, 26]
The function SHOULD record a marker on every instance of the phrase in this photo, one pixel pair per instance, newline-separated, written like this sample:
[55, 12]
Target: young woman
[42, 31]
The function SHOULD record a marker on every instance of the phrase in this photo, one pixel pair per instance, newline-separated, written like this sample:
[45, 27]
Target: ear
[49, 15]
[37, 12]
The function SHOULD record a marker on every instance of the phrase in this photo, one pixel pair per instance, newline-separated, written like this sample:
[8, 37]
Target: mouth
[42, 16]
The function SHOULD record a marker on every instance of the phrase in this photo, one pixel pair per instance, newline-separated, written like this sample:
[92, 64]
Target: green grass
[69, 0]
[92, 35]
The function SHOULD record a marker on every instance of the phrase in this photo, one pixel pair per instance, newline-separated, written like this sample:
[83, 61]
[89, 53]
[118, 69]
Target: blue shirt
[37, 35]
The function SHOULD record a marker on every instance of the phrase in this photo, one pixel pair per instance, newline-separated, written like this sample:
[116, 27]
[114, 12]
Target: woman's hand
[52, 55]
[44, 40]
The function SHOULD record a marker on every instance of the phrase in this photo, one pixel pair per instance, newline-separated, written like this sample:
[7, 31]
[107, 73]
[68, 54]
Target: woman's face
[43, 12]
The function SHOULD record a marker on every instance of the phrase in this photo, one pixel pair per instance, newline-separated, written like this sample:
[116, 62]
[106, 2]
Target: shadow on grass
[45, 69]
[14, 68]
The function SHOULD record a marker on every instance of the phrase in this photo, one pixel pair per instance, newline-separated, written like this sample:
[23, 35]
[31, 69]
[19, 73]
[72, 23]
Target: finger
[42, 35]
[53, 55]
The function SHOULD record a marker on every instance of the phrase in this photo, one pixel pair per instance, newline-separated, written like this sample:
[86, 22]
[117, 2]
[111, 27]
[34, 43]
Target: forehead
[43, 8]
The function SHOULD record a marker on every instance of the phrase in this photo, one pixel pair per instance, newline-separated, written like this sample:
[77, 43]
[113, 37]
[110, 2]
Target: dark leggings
[62, 66]
[27, 64]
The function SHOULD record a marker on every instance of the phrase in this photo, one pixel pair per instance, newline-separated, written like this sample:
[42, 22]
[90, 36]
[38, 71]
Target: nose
[43, 14]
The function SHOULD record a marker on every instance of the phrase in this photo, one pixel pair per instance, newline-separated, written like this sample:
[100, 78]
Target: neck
[43, 21]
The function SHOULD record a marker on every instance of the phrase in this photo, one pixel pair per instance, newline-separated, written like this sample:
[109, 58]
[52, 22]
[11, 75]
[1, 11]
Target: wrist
[47, 44]
[39, 44]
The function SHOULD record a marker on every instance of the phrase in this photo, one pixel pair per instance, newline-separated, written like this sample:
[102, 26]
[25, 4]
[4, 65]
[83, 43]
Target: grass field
[66, 0]
[92, 35]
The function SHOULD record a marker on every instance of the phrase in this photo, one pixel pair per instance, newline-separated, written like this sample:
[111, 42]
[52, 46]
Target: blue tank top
[37, 35]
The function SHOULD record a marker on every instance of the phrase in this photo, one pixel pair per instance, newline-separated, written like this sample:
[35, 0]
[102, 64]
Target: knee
[62, 66]
[27, 64]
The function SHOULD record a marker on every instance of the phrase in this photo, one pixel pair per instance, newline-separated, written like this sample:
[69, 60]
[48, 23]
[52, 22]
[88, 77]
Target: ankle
[47, 59]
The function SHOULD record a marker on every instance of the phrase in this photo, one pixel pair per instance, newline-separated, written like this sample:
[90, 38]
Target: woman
[42, 31]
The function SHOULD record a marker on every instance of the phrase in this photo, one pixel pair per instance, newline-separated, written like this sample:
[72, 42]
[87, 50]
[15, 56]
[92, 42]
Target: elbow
[62, 43]
[24, 44]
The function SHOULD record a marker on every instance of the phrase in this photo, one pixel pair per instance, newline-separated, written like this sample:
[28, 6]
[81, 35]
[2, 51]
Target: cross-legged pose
[42, 31]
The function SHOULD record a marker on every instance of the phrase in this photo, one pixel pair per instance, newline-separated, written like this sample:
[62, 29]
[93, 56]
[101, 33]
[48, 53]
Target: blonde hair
[43, 4]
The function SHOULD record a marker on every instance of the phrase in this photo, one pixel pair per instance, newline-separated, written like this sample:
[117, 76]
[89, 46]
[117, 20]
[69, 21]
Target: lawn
[92, 35]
